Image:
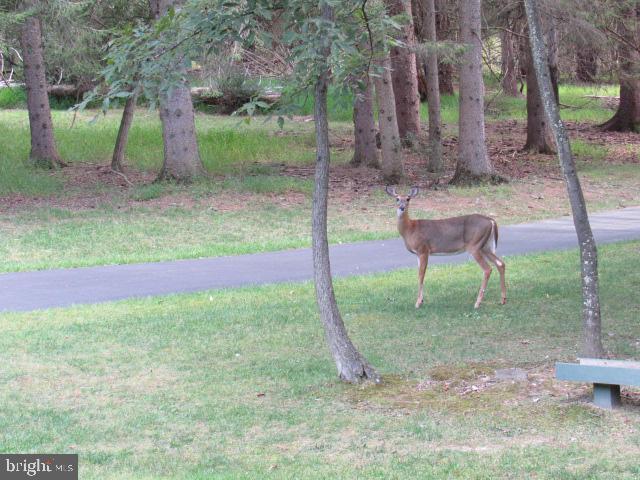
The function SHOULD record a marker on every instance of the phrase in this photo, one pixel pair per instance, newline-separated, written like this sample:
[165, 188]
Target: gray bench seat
[606, 376]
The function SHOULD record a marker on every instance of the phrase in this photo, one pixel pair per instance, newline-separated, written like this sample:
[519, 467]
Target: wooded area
[387, 56]
[236, 176]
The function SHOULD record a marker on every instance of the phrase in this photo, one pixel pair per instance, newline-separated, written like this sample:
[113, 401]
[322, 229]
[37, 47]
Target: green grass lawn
[239, 383]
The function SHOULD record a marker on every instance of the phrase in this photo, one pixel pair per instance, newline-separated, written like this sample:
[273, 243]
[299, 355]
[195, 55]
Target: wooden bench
[606, 376]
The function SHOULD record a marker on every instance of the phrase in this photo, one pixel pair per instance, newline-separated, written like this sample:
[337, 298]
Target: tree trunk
[539, 138]
[392, 168]
[364, 128]
[586, 64]
[552, 49]
[44, 152]
[352, 367]
[404, 75]
[443, 32]
[627, 117]
[473, 162]
[592, 346]
[181, 156]
[123, 132]
[509, 65]
[433, 91]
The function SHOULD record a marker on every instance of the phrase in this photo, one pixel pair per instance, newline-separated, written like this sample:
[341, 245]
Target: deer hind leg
[423, 260]
[500, 265]
[487, 273]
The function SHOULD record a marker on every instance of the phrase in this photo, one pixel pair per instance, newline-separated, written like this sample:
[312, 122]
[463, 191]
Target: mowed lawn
[239, 383]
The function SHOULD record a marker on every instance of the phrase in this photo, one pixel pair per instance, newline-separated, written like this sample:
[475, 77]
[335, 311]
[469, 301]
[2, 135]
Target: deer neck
[405, 224]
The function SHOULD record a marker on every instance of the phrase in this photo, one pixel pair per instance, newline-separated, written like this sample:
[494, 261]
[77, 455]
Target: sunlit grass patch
[588, 151]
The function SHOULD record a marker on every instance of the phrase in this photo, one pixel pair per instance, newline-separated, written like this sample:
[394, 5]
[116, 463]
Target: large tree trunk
[592, 346]
[123, 132]
[392, 167]
[509, 65]
[433, 90]
[43, 145]
[473, 161]
[181, 156]
[404, 74]
[539, 138]
[627, 117]
[443, 32]
[364, 128]
[352, 366]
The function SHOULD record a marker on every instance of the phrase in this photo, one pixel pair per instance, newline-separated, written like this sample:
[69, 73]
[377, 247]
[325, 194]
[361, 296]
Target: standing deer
[476, 234]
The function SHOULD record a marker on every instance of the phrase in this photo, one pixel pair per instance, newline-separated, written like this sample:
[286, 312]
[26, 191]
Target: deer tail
[494, 228]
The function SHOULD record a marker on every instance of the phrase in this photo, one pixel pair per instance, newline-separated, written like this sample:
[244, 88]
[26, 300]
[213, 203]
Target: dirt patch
[537, 178]
[476, 387]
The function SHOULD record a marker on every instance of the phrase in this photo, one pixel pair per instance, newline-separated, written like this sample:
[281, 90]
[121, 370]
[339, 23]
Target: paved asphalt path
[24, 291]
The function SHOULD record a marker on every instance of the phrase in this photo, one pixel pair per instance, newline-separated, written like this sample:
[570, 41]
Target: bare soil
[536, 179]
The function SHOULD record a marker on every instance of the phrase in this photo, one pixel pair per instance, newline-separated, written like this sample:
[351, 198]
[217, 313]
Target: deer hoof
[504, 301]
[418, 304]
[477, 305]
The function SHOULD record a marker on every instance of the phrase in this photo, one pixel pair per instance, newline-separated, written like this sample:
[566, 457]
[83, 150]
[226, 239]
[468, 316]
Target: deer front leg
[423, 259]
[487, 273]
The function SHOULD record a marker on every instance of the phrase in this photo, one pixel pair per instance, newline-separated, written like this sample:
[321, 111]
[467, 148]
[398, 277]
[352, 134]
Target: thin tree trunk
[509, 66]
[404, 75]
[473, 162]
[181, 156]
[586, 64]
[364, 128]
[443, 32]
[44, 152]
[123, 132]
[552, 48]
[433, 90]
[417, 11]
[352, 366]
[539, 136]
[392, 167]
[592, 346]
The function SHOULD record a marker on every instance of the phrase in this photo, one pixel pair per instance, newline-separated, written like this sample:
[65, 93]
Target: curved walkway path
[24, 291]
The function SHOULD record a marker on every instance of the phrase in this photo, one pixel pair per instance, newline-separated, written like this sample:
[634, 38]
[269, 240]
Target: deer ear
[414, 191]
[390, 191]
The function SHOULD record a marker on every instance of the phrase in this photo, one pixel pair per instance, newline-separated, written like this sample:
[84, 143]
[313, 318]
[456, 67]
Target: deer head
[402, 202]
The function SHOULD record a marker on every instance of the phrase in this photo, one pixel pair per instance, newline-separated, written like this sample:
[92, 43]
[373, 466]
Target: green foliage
[148, 192]
[74, 33]
[268, 184]
[235, 88]
[13, 97]
[16, 175]
[146, 56]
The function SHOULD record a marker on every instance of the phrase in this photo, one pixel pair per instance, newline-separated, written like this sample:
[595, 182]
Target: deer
[475, 234]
